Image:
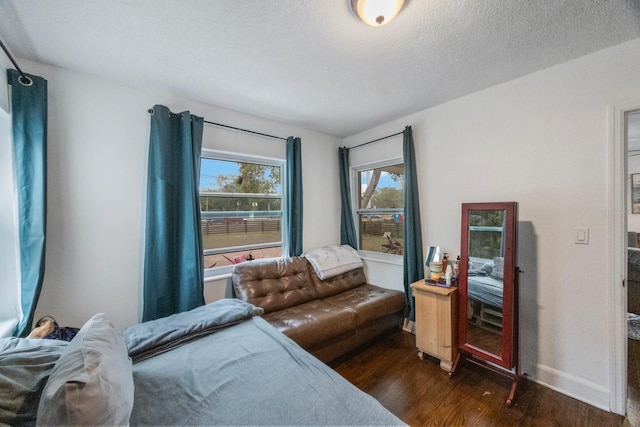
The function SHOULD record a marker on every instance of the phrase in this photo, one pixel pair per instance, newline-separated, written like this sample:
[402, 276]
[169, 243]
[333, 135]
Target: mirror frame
[508, 357]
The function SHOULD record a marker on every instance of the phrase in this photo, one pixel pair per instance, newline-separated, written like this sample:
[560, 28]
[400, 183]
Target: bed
[484, 295]
[485, 283]
[220, 364]
[485, 289]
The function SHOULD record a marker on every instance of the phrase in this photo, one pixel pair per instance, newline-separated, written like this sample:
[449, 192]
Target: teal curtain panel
[412, 255]
[293, 200]
[29, 123]
[173, 260]
[347, 227]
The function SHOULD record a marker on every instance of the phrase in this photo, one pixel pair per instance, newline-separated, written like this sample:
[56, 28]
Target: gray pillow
[498, 268]
[25, 366]
[92, 382]
[487, 267]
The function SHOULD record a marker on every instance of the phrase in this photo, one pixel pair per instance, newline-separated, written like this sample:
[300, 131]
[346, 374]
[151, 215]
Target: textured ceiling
[312, 63]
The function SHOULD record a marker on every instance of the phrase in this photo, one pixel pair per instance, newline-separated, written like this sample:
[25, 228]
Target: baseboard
[578, 388]
[409, 326]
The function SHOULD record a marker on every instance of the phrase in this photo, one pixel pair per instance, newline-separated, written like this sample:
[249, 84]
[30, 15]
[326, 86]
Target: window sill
[219, 273]
[215, 278]
[381, 258]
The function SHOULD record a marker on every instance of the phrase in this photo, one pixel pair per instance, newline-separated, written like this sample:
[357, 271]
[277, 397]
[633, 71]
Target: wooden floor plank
[633, 383]
[421, 394]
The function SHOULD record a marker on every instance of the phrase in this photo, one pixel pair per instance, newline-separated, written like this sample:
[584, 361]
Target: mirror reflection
[488, 289]
[485, 279]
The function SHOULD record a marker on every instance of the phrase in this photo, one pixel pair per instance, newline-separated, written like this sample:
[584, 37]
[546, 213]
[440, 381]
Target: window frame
[355, 201]
[208, 154]
[480, 228]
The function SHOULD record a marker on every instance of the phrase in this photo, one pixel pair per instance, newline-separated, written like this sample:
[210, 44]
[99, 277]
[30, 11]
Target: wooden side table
[436, 322]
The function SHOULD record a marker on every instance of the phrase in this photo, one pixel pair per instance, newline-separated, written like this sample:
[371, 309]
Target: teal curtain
[173, 263]
[347, 228]
[412, 254]
[293, 201]
[29, 123]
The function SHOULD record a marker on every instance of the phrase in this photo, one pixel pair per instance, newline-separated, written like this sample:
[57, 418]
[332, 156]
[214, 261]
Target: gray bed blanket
[485, 289]
[151, 338]
[248, 374]
[25, 365]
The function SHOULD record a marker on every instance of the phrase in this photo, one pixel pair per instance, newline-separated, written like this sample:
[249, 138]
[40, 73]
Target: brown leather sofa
[325, 317]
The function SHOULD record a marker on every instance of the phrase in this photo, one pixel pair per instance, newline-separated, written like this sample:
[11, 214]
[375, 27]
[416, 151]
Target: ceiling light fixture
[376, 12]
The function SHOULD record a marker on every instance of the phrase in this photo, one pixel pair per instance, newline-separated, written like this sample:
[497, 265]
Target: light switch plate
[581, 236]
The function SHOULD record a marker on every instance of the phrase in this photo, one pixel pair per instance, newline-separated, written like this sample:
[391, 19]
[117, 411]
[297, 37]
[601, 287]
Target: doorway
[632, 144]
[632, 132]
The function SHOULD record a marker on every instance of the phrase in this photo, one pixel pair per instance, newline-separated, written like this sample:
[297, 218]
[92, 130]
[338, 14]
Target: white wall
[4, 93]
[10, 311]
[540, 140]
[98, 142]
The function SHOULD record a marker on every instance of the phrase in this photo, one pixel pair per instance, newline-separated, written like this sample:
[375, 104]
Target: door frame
[617, 208]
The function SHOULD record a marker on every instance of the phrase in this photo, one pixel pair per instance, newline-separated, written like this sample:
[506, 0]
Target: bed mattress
[485, 289]
[248, 374]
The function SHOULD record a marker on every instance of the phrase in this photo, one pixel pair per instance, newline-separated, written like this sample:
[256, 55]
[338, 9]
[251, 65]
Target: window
[241, 204]
[380, 208]
[485, 235]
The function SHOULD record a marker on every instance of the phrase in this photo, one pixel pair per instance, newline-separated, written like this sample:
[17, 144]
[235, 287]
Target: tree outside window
[380, 209]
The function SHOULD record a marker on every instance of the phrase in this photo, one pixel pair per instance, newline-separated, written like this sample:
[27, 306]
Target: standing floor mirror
[488, 290]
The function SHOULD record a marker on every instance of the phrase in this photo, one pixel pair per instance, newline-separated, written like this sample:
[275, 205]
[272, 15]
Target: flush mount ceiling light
[376, 12]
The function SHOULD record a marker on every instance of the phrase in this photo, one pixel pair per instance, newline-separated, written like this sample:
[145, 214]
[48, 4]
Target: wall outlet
[581, 236]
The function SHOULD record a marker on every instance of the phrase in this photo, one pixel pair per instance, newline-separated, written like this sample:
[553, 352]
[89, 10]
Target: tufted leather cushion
[337, 284]
[274, 284]
[369, 302]
[312, 323]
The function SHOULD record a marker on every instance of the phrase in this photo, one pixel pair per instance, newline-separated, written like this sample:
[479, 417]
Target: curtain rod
[27, 81]
[236, 128]
[245, 130]
[376, 140]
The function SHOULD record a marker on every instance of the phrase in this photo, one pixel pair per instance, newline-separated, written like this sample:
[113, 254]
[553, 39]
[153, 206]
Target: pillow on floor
[92, 382]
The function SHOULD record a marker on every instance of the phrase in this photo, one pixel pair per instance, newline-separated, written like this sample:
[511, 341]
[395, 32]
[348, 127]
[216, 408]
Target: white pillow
[92, 382]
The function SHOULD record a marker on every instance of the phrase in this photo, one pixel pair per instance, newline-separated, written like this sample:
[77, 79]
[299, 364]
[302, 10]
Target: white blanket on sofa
[330, 261]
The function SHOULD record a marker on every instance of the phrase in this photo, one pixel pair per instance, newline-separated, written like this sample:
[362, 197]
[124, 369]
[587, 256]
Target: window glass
[380, 210]
[241, 208]
[485, 234]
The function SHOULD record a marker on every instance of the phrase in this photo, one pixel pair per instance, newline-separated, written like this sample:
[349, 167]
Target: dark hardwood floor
[633, 383]
[483, 338]
[421, 394]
